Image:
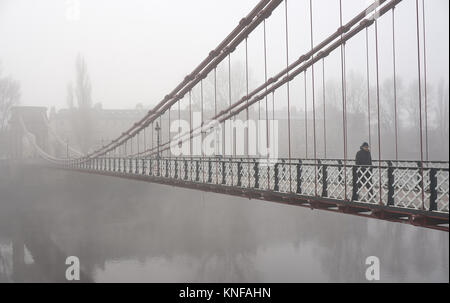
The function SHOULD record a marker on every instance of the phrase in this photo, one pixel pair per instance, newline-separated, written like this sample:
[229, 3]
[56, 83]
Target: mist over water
[129, 231]
[76, 75]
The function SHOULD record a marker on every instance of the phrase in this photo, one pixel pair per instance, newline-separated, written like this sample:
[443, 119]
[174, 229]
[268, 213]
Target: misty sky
[137, 50]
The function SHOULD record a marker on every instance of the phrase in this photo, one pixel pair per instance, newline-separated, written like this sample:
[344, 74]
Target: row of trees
[360, 127]
[435, 120]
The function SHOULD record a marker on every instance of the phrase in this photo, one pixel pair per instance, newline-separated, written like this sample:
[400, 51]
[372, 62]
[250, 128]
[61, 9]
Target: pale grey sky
[137, 50]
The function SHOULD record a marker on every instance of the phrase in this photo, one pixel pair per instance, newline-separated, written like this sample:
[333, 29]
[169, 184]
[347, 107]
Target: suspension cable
[202, 125]
[168, 131]
[137, 142]
[306, 115]
[190, 123]
[246, 93]
[229, 101]
[265, 81]
[246, 25]
[368, 85]
[217, 55]
[343, 102]
[231, 126]
[378, 113]
[313, 100]
[145, 140]
[288, 92]
[179, 116]
[131, 147]
[395, 84]
[340, 31]
[420, 102]
[300, 60]
[324, 110]
[425, 80]
[215, 113]
[247, 151]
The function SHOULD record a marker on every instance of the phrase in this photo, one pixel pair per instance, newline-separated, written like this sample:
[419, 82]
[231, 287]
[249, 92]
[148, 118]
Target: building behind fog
[107, 125]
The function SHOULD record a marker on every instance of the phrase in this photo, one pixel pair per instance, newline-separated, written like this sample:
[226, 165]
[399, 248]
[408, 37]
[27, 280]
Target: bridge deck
[399, 191]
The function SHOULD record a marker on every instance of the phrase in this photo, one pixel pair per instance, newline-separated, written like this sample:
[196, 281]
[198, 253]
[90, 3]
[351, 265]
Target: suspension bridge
[414, 191]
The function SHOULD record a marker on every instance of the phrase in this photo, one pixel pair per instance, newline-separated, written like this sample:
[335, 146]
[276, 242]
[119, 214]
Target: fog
[130, 231]
[141, 49]
[137, 51]
[76, 74]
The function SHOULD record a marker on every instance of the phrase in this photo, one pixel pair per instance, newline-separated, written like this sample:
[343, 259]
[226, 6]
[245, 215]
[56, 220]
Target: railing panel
[408, 188]
[264, 176]
[402, 184]
[442, 190]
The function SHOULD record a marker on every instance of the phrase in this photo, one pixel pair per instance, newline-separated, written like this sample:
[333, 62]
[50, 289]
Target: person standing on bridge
[362, 172]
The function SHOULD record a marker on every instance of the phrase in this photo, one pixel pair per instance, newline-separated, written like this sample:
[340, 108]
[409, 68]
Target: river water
[131, 231]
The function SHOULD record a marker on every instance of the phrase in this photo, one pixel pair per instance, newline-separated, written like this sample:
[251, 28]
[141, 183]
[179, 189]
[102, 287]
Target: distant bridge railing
[401, 184]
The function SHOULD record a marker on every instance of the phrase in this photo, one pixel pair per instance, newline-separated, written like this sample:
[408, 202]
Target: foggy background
[133, 53]
[136, 51]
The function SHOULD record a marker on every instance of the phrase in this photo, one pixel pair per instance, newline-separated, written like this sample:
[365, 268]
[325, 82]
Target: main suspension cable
[420, 102]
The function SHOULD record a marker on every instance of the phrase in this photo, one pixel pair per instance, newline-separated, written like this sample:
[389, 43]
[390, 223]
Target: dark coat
[363, 158]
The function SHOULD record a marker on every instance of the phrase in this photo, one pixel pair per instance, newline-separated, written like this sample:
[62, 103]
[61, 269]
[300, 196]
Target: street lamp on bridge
[158, 129]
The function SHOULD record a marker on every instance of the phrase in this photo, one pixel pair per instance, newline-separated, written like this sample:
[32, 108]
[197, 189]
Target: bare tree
[83, 124]
[83, 86]
[9, 97]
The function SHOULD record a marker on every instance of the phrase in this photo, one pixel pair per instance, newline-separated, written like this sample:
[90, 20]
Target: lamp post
[158, 129]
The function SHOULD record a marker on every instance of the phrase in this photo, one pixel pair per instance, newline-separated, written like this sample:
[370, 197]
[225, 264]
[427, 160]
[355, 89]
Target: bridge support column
[354, 182]
[256, 173]
[209, 172]
[143, 167]
[239, 171]
[176, 169]
[275, 175]
[390, 184]
[158, 167]
[299, 177]
[433, 189]
[197, 177]
[324, 181]
[223, 173]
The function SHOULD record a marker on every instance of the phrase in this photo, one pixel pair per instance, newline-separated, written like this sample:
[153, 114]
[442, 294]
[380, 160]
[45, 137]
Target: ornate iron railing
[402, 184]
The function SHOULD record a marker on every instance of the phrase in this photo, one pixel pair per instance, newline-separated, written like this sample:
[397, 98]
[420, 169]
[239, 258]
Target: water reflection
[131, 231]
